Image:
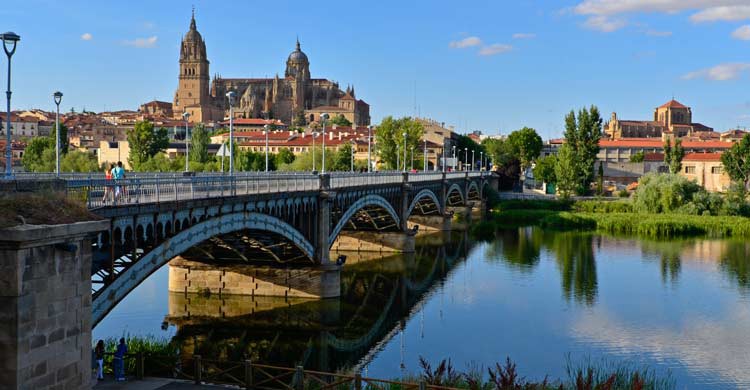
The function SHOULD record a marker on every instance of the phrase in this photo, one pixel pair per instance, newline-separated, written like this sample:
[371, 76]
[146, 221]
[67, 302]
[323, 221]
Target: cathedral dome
[193, 34]
[297, 55]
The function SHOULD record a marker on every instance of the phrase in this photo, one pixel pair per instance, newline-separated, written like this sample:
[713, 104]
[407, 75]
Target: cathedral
[296, 99]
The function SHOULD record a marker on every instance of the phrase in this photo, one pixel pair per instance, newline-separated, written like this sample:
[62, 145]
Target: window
[717, 170]
[663, 169]
[690, 169]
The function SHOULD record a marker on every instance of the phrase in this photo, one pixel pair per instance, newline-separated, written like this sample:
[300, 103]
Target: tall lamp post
[425, 156]
[481, 161]
[57, 96]
[466, 156]
[266, 129]
[354, 144]
[323, 119]
[313, 134]
[473, 160]
[230, 96]
[186, 115]
[454, 157]
[9, 37]
[369, 140]
[404, 134]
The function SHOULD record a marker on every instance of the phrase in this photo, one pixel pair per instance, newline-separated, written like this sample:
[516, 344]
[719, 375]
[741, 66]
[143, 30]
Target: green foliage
[600, 180]
[673, 155]
[735, 202]
[623, 193]
[566, 171]
[145, 143]
[79, 161]
[567, 221]
[602, 206]
[464, 146]
[39, 155]
[338, 120]
[199, 141]
[64, 144]
[161, 163]
[390, 139]
[659, 193]
[539, 204]
[544, 169]
[582, 134]
[285, 156]
[525, 144]
[736, 161]
[343, 158]
[247, 160]
[638, 157]
[304, 161]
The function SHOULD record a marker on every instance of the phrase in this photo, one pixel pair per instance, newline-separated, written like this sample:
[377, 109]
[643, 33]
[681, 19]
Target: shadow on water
[377, 297]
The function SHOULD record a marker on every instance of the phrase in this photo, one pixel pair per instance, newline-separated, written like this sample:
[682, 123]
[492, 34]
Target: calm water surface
[679, 307]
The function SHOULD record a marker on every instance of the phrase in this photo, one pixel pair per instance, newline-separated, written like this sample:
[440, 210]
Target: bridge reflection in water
[377, 298]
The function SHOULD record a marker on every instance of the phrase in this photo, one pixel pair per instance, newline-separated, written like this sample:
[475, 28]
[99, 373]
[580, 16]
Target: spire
[298, 48]
[192, 20]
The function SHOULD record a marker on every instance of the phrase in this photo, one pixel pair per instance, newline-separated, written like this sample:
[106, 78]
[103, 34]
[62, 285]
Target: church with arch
[296, 98]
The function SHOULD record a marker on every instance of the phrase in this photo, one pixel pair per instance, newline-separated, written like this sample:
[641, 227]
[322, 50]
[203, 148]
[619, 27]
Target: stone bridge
[272, 220]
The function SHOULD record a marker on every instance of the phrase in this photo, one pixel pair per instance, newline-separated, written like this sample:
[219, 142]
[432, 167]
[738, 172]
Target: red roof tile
[702, 157]
[673, 104]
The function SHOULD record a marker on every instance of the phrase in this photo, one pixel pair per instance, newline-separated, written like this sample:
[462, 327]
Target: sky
[494, 66]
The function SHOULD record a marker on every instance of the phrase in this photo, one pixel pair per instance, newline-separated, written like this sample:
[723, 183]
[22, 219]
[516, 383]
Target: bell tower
[194, 79]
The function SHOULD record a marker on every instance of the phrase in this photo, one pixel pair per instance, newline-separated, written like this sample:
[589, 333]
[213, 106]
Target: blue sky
[489, 65]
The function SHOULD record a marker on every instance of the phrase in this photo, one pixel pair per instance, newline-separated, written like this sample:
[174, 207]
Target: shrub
[567, 221]
[623, 193]
[658, 193]
[600, 206]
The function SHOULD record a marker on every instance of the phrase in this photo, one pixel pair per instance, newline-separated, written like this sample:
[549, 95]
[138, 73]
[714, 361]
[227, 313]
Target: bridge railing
[348, 179]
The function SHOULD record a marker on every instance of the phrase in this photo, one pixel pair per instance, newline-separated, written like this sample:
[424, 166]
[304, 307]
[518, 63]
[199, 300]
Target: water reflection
[735, 262]
[574, 253]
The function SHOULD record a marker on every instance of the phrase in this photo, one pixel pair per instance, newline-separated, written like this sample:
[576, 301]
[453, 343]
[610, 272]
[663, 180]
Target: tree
[343, 159]
[390, 139]
[582, 133]
[526, 144]
[299, 119]
[285, 156]
[544, 169]
[63, 138]
[199, 141]
[673, 155]
[34, 159]
[340, 120]
[565, 171]
[161, 163]
[79, 161]
[736, 162]
[145, 143]
[638, 157]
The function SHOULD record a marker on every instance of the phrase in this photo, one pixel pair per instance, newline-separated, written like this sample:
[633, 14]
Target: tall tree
[285, 156]
[565, 171]
[340, 120]
[389, 138]
[582, 133]
[673, 155]
[526, 144]
[736, 162]
[34, 157]
[544, 169]
[199, 141]
[78, 161]
[343, 160]
[64, 143]
[145, 143]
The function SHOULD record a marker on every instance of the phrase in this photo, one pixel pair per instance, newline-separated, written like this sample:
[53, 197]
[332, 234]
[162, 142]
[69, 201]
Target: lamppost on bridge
[404, 134]
[186, 115]
[454, 157]
[425, 156]
[354, 150]
[369, 140]
[9, 37]
[473, 160]
[411, 162]
[323, 119]
[57, 96]
[481, 160]
[313, 134]
[466, 156]
[230, 97]
[266, 129]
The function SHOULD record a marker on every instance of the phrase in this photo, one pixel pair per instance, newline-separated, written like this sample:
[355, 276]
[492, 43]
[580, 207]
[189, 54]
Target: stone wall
[45, 293]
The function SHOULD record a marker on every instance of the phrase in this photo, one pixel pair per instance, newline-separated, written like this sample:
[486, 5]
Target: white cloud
[524, 36]
[87, 37]
[725, 13]
[656, 33]
[742, 33]
[495, 48]
[604, 23]
[466, 42]
[721, 72]
[705, 10]
[142, 43]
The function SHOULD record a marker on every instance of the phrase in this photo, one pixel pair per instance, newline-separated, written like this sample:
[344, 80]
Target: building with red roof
[671, 119]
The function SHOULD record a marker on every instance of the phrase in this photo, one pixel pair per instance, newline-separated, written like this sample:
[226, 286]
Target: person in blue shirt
[118, 173]
[119, 360]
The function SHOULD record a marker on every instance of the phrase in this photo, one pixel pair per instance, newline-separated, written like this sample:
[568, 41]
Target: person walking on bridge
[119, 360]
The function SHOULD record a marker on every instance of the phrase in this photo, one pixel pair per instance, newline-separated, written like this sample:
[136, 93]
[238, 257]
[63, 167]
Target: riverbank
[615, 217]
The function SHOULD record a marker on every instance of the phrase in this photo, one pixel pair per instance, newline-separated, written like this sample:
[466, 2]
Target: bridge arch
[190, 236]
[425, 193]
[368, 200]
[457, 188]
[473, 190]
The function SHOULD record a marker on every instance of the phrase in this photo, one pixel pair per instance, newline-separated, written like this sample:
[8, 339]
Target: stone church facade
[296, 99]
[671, 119]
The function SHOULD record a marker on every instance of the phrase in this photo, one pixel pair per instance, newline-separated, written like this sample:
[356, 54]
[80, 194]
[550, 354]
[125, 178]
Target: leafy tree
[526, 144]
[299, 119]
[340, 120]
[145, 143]
[390, 139]
[498, 151]
[638, 157]
[63, 139]
[582, 133]
[199, 141]
[343, 159]
[33, 159]
[161, 163]
[736, 162]
[78, 161]
[673, 155]
[544, 169]
[566, 171]
[285, 156]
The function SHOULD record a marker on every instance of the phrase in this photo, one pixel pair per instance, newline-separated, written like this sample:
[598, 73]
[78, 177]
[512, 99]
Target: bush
[659, 193]
[601, 206]
[567, 221]
[623, 193]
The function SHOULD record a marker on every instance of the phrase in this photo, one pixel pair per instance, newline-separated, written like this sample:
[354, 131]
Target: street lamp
[266, 128]
[481, 160]
[454, 157]
[466, 156]
[57, 96]
[9, 37]
[230, 96]
[354, 144]
[323, 119]
[186, 115]
[313, 134]
[404, 134]
[425, 156]
[369, 138]
[473, 161]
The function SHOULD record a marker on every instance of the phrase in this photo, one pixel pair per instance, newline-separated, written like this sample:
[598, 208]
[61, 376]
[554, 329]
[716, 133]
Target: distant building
[157, 108]
[21, 127]
[671, 119]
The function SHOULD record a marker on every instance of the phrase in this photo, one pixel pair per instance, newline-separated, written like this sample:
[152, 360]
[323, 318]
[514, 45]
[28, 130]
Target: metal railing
[140, 188]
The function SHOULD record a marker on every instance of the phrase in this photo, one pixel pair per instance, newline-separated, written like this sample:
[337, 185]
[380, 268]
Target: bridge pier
[45, 293]
[431, 223]
[367, 241]
[192, 277]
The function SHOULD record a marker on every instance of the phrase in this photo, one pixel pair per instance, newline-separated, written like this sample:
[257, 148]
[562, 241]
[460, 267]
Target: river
[680, 307]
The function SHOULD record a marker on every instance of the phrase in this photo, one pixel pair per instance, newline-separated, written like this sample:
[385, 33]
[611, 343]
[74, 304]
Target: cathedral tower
[193, 88]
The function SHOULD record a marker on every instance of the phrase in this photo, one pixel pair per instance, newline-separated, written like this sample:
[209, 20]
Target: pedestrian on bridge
[99, 357]
[108, 183]
[119, 360]
[118, 173]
